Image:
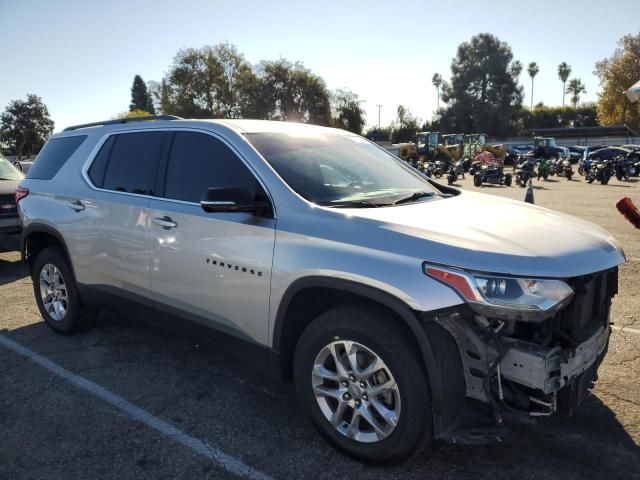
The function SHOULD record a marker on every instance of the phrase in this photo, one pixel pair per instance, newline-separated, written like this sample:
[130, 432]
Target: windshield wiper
[414, 196]
[354, 204]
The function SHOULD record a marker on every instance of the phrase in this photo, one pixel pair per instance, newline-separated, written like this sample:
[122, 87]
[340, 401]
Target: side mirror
[232, 199]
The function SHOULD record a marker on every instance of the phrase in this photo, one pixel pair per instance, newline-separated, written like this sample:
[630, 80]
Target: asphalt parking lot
[127, 400]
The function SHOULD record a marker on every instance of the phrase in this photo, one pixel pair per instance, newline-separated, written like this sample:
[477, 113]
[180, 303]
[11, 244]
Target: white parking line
[229, 463]
[625, 329]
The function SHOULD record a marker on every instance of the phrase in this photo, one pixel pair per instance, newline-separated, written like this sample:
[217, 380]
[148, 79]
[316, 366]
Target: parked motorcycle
[455, 171]
[622, 168]
[567, 169]
[601, 171]
[543, 169]
[440, 167]
[584, 166]
[525, 171]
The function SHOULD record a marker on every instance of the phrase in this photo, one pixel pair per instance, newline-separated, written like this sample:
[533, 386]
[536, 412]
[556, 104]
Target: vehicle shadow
[203, 387]
[10, 271]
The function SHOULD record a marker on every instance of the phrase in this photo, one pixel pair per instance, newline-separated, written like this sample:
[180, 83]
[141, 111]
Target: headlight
[502, 296]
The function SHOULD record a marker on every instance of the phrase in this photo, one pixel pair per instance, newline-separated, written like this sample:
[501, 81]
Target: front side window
[339, 170]
[197, 162]
[133, 162]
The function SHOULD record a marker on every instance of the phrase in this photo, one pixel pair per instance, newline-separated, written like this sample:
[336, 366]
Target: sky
[81, 56]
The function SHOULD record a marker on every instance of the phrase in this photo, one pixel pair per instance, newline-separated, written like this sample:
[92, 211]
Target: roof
[601, 131]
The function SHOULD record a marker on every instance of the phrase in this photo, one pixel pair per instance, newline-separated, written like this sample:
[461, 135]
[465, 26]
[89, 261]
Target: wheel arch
[37, 236]
[308, 297]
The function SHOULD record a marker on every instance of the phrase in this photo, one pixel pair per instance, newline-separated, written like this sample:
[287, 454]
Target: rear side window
[133, 162]
[198, 162]
[54, 154]
[99, 164]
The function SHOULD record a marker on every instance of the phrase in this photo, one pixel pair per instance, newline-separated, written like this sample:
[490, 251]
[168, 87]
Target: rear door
[113, 234]
[212, 268]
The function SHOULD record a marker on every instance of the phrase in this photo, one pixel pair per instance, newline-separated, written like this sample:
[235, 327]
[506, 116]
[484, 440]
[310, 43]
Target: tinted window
[133, 161]
[99, 164]
[53, 155]
[198, 162]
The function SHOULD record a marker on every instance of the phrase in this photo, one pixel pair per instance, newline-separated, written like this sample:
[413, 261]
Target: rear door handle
[76, 205]
[164, 222]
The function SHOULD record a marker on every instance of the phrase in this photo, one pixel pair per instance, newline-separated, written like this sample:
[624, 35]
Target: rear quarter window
[54, 154]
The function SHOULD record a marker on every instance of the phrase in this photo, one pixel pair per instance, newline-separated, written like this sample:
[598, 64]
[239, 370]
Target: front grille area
[8, 206]
[589, 308]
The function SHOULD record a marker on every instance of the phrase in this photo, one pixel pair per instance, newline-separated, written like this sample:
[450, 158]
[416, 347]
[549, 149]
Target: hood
[491, 234]
[8, 186]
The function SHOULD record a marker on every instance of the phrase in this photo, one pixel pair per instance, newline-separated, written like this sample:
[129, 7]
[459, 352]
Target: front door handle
[164, 222]
[76, 206]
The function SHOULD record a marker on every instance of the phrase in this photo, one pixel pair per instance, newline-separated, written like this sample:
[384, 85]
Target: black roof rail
[123, 120]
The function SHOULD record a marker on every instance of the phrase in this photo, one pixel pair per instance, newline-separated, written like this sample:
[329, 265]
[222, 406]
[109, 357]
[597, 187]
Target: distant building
[604, 135]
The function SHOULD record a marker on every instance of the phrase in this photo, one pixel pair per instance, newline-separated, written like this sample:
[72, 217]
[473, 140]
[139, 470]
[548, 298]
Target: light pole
[379, 108]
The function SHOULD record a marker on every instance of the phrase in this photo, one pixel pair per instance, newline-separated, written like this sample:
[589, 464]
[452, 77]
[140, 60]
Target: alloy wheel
[53, 292]
[356, 391]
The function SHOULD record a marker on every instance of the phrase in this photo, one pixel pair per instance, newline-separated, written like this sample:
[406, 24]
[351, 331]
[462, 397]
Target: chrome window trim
[94, 152]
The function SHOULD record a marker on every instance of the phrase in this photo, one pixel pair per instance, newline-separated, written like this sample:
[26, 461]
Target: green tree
[437, 82]
[564, 70]
[25, 126]
[405, 126]
[516, 69]
[140, 99]
[575, 88]
[132, 114]
[617, 73]
[210, 82]
[484, 94]
[533, 70]
[294, 93]
[348, 113]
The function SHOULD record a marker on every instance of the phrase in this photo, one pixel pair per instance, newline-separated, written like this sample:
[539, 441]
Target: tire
[375, 331]
[450, 179]
[581, 171]
[545, 176]
[508, 179]
[619, 176]
[71, 316]
[590, 178]
[605, 179]
[477, 180]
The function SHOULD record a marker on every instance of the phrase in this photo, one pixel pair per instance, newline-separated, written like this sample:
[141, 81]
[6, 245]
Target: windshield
[339, 170]
[8, 171]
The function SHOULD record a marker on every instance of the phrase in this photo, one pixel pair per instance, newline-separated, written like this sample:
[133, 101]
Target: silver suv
[404, 310]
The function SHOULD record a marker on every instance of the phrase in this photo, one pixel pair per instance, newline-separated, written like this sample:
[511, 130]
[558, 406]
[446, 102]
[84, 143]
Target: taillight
[20, 193]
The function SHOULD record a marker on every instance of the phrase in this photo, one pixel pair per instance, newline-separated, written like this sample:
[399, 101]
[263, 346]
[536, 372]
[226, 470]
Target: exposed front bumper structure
[521, 370]
[550, 369]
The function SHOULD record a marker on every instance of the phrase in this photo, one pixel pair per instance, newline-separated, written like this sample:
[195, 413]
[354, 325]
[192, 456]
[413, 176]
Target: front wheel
[360, 380]
[605, 179]
[508, 179]
[477, 180]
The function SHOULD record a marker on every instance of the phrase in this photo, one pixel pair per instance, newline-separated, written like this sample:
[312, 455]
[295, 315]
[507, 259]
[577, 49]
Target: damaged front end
[524, 363]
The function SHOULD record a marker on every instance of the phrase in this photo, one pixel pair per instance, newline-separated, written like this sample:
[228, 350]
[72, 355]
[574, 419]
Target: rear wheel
[57, 294]
[360, 380]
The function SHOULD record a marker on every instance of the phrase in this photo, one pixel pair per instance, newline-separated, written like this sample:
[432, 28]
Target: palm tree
[564, 70]
[533, 71]
[575, 88]
[437, 82]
